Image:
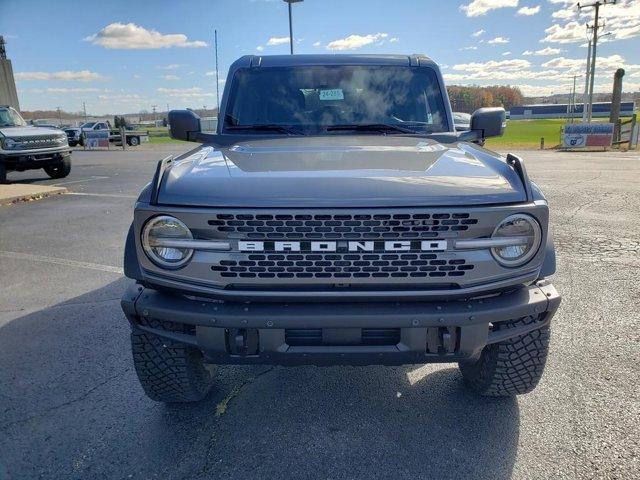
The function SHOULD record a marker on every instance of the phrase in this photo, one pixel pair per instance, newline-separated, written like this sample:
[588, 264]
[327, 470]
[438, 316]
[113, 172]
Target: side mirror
[184, 125]
[489, 122]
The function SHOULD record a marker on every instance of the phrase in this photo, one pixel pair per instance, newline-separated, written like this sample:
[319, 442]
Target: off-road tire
[169, 371]
[3, 173]
[511, 367]
[133, 141]
[60, 169]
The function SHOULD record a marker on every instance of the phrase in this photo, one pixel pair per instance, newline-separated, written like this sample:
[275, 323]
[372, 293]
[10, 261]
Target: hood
[340, 171]
[28, 131]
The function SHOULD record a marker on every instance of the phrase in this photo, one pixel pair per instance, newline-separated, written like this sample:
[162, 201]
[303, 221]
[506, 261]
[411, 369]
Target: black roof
[333, 59]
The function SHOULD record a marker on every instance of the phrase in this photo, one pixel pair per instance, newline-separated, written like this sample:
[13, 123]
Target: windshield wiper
[267, 127]
[372, 127]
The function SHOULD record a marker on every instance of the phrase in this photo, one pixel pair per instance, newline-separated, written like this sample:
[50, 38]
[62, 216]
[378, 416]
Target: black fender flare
[131, 265]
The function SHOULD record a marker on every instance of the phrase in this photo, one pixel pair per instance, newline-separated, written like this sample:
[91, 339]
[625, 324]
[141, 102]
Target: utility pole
[596, 5]
[155, 118]
[291, 24]
[215, 35]
[572, 106]
[585, 98]
[84, 108]
[59, 116]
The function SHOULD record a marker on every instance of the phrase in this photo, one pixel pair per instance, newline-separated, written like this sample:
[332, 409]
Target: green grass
[160, 135]
[527, 133]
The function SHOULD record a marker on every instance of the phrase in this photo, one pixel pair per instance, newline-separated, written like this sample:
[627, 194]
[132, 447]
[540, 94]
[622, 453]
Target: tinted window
[316, 97]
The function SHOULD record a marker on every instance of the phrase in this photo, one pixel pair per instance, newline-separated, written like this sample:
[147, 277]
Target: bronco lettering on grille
[345, 246]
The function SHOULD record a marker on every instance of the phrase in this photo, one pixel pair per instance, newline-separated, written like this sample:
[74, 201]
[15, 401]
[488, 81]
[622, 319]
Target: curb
[18, 193]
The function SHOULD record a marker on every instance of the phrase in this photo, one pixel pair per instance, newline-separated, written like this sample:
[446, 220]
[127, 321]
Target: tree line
[469, 99]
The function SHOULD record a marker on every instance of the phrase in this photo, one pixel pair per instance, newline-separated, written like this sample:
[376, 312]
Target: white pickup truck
[75, 134]
[24, 147]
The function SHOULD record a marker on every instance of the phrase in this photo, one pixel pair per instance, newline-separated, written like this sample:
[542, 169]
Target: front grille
[369, 226]
[343, 265]
[37, 141]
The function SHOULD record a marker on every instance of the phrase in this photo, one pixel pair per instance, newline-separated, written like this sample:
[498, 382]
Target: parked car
[337, 217]
[74, 135]
[25, 147]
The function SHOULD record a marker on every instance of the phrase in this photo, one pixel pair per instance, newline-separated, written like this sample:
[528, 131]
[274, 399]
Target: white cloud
[65, 75]
[569, 33]
[73, 90]
[498, 40]
[260, 48]
[503, 65]
[171, 77]
[622, 20]
[394, 40]
[529, 11]
[353, 42]
[172, 66]
[543, 52]
[193, 92]
[211, 73]
[506, 54]
[480, 7]
[131, 36]
[274, 41]
[470, 47]
[478, 33]
[317, 44]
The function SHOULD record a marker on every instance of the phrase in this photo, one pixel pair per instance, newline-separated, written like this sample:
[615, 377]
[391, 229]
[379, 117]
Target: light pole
[290, 23]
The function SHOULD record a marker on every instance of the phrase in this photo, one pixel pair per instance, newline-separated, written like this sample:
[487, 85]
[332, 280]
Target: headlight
[526, 235]
[161, 239]
[9, 143]
[62, 139]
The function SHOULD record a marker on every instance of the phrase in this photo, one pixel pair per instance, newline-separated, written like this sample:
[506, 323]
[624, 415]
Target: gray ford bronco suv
[337, 217]
[24, 147]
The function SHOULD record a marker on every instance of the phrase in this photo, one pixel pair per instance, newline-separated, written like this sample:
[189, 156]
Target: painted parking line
[112, 195]
[61, 261]
[80, 181]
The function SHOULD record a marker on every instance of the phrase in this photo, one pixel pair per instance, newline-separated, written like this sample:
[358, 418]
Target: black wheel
[3, 173]
[511, 367]
[169, 371]
[60, 169]
[133, 141]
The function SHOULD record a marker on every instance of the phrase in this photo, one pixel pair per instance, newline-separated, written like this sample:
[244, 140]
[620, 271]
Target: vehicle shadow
[71, 407]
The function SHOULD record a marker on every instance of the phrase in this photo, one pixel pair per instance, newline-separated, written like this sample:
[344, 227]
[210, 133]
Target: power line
[596, 26]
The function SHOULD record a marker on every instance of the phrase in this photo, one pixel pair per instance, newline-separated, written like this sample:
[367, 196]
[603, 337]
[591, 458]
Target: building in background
[563, 110]
[8, 92]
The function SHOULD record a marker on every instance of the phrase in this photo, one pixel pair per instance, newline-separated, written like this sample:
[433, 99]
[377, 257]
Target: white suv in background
[24, 147]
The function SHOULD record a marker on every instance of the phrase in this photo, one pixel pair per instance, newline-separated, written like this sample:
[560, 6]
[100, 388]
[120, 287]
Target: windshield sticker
[333, 94]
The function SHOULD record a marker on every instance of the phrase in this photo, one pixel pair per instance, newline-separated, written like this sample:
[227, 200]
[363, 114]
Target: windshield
[88, 125]
[312, 99]
[11, 118]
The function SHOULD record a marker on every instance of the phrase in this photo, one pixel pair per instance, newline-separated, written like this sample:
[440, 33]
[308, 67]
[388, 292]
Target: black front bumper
[391, 333]
[19, 161]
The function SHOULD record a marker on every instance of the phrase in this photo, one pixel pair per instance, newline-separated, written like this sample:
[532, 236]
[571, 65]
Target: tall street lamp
[290, 24]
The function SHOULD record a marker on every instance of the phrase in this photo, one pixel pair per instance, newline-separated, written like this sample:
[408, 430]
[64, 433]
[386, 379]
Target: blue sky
[125, 56]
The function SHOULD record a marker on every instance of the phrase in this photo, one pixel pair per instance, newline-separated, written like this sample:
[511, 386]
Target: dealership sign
[579, 135]
[97, 139]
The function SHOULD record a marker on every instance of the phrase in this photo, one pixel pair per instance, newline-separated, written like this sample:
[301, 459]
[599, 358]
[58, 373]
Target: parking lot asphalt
[71, 406]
